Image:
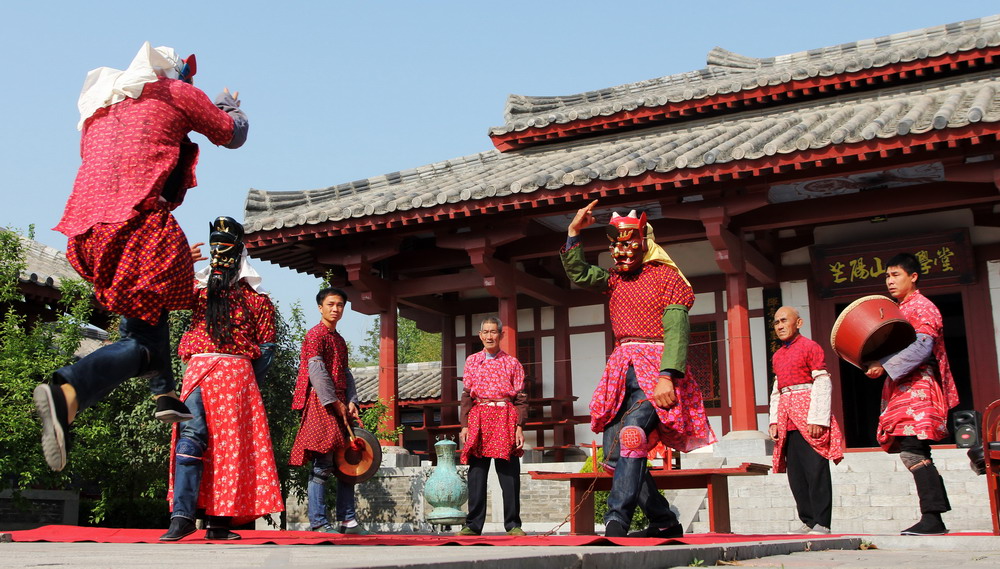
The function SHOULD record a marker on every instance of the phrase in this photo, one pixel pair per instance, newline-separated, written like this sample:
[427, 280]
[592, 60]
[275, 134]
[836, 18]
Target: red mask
[628, 241]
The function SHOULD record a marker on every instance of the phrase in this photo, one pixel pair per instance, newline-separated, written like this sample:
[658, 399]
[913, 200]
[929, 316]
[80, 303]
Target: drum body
[870, 328]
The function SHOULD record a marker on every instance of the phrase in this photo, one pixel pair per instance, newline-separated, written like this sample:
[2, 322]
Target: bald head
[787, 323]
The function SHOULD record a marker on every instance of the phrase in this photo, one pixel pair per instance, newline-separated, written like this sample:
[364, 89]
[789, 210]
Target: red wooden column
[508, 315]
[563, 388]
[741, 384]
[388, 371]
[449, 386]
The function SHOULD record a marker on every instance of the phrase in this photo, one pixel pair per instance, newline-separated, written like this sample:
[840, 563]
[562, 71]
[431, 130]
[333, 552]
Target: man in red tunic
[493, 410]
[223, 462]
[917, 394]
[806, 432]
[137, 164]
[328, 397]
[647, 393]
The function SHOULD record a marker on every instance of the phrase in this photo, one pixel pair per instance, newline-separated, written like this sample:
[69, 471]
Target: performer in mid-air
[223, 462]
[137, 164]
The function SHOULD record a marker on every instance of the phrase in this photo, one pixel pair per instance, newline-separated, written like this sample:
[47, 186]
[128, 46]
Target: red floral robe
[917, 404]
[493, 384]
[239, 478]
[793, 365]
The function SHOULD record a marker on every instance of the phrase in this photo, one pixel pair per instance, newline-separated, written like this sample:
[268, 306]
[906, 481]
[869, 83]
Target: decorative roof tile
[942, 104]
[417, 381]
[728, 72]
[44, 265]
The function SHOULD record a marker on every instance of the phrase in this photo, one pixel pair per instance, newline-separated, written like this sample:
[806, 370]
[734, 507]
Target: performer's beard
[219, 312]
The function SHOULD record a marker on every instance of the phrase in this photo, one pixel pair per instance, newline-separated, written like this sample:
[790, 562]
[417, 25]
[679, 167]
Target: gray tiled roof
[729, 72]
[416, 382]
[45, 266]
[884, 114]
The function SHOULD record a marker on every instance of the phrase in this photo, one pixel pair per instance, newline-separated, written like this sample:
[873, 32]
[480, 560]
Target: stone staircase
[873, 493]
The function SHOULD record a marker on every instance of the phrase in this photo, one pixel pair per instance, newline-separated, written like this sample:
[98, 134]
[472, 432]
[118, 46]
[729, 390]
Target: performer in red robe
[646, 394]
[918, 392]
[806, 432]
[328, 397]
[137, 164]
[493, 410]
[222, 462]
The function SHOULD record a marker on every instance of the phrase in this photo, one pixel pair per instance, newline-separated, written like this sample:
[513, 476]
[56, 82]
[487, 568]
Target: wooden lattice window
[703, 361]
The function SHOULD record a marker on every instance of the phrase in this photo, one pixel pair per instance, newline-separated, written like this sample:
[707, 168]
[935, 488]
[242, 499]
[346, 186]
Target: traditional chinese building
[782, 180]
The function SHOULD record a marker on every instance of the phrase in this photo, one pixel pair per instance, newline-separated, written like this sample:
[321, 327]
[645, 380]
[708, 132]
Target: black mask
[226, 241]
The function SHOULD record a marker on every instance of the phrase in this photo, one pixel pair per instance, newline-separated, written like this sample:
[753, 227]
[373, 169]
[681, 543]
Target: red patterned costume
[320, 431]
[793, 400]
[137, 165]
[239, 479]
[918, 403]
[494, 386]
[637, 304]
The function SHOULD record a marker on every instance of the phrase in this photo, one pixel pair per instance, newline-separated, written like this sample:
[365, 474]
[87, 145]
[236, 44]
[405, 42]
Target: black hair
[906, 261]
[218, 308]
[330, 291]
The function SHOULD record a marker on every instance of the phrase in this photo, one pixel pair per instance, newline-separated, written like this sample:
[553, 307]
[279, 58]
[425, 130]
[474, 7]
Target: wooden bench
[716, 480]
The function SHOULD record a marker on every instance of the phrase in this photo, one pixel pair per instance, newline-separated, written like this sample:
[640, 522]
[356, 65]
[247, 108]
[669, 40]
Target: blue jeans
[316, 493]
[143, 349]
[187, 473]
[632, 484]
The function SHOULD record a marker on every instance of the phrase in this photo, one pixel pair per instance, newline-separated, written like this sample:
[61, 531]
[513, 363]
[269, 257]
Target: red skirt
[491, 433]
[319, 433]
[240, 479]
[794, 407]
[139, 268]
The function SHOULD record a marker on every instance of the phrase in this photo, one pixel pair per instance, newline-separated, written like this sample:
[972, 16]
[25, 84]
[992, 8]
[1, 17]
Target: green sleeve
[676, 335]
[583, 273]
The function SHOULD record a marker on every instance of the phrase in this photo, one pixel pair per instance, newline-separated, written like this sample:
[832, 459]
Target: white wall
[993, 269]
[587, 366]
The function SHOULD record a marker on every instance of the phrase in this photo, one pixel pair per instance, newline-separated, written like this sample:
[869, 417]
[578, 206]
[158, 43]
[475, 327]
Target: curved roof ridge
[730, 72]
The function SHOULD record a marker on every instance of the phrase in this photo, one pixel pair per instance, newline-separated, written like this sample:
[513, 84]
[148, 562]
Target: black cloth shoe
[221, 534]
[179, 528]
[666, 533]
[50, 402]
[172, 410]
[615, 528]
[929, 524]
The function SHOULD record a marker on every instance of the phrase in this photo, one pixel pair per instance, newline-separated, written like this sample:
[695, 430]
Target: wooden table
[715, 480]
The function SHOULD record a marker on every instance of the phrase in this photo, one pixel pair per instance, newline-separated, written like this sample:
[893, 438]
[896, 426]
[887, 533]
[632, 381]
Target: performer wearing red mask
[138, 162]
[646, 393]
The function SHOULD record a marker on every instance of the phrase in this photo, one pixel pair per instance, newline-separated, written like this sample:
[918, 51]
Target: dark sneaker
[353, 530]
[466, 531]
[671, 532]
[929, 524]
[221, 534]
[325, 528]
[50, 402]
[179, 528]
[516, 532]
[614, 528]
[172, 410]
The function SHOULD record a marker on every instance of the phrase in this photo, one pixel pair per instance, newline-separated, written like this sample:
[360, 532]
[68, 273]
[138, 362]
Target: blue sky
[338, 91]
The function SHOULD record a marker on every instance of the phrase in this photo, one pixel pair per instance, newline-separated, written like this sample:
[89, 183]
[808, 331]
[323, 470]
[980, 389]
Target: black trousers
[809, 479]
[509, 474]
[930, 486]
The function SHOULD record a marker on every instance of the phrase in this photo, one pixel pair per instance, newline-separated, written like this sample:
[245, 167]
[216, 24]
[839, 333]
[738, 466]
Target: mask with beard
[628, 241]
[226, 242]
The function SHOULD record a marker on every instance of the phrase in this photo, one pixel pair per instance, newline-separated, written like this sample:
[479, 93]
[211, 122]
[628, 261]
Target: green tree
[413, 344]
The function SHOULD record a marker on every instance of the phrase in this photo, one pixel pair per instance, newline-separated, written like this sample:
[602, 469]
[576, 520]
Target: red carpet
[68, 534]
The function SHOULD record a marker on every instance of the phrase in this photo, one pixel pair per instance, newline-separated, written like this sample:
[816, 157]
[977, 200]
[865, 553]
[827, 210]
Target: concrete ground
[891, 552]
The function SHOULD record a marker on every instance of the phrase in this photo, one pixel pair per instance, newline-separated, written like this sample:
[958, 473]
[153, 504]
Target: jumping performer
[137, 164]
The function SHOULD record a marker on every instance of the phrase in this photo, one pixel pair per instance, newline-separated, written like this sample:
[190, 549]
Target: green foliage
[373, 420]
[413, 344]
[639, 519]
[30, 353]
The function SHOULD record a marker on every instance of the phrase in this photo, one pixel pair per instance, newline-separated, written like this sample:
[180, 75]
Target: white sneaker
[803, 529]
[819, 530]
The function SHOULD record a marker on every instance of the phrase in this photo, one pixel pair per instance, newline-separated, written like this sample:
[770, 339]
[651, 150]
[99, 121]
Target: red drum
[870, 328]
